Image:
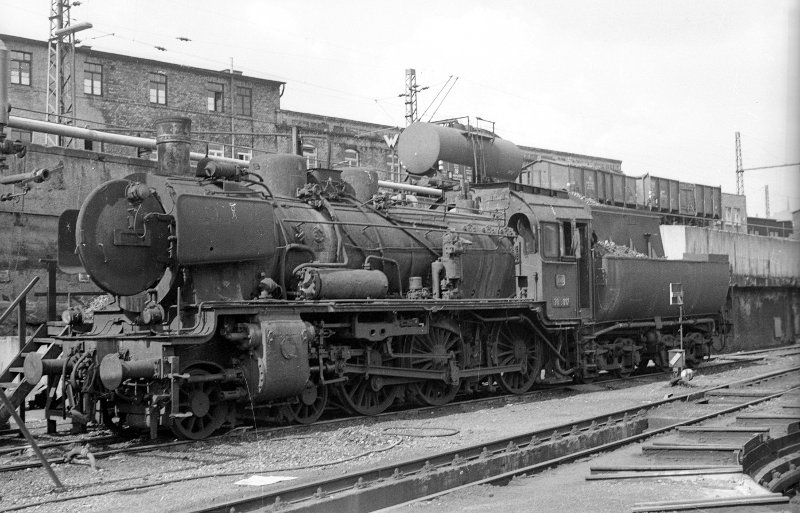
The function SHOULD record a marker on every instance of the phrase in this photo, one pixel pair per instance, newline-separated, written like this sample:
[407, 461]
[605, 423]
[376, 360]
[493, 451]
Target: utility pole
[411, 96]
[233, 129]
[766, 201]
[60, 106]
[739, 167]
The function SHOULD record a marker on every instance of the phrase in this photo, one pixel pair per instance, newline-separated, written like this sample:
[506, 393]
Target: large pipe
[410, 188]
[34, 125]
[4, 80]
[35, 176]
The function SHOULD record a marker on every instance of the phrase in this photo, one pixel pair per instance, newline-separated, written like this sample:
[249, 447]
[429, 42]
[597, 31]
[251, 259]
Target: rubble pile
[586, 199]
[608, 247]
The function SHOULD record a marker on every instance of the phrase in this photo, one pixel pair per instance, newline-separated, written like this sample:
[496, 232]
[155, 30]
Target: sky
[661, 85]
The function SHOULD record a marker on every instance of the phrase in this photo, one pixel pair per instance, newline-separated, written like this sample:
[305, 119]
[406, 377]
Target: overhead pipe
[34, 125]
[410, 188]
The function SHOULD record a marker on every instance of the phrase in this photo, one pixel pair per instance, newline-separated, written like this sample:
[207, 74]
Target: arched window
[351, 157]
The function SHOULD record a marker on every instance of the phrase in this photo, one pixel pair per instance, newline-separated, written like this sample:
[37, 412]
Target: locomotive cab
[566, 267]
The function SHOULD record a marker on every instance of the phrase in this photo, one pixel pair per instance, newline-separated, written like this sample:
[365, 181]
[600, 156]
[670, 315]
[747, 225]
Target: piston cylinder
[35, 367]
[173, 144]
[113, 370]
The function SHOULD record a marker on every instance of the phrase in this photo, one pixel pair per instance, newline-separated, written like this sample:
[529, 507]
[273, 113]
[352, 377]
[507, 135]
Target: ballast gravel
[179, 477]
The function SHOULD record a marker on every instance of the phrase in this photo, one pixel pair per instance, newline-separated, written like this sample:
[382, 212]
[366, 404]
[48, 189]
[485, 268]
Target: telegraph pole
[739, 168]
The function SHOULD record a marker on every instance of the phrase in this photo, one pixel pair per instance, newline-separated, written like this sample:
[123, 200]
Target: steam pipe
[410, 188]
[34, 125]
[36, 176]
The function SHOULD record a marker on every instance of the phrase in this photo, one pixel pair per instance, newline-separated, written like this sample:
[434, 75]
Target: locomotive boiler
[276, 291]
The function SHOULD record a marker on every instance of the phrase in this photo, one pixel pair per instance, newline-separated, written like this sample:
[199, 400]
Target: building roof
[87, 50]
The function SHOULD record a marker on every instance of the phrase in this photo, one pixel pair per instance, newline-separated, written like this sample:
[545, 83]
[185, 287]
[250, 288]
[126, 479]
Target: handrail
[18, 300]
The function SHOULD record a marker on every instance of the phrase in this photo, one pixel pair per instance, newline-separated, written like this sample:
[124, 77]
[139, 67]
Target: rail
[22, 313]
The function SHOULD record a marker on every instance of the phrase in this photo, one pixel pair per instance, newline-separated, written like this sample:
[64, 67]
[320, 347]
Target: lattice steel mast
[60, 70]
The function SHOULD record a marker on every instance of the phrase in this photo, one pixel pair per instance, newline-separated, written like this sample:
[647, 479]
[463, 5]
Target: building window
[244, 155]
[21, 68]
[393, 163]
[158, 88]
[24, 136]
[216, 94]
[243, 105]
[216, 150]
[93, 79]
[310, 154]
[351, 157]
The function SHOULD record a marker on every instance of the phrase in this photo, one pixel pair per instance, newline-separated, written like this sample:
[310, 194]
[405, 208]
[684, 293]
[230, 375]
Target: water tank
[422, 145]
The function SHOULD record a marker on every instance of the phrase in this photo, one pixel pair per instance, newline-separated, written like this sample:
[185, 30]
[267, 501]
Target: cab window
[550, 240]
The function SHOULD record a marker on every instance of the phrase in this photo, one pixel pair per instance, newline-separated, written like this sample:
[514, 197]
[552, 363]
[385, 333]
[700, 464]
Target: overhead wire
[443, 99]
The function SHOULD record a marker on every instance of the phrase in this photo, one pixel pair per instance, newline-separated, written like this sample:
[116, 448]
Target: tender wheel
[202, 400]
[516, 345]
[428, 351]
[694, 343]
[626, 356]
[367, 395]
[310, 405]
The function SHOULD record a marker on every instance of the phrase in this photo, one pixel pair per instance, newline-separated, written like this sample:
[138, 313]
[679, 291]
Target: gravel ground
[317, 451]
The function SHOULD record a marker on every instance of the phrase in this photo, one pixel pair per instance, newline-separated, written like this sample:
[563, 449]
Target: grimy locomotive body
[283, 291]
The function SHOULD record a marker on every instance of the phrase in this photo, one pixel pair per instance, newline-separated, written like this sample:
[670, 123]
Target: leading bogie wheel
[203, 403]
[309, 406]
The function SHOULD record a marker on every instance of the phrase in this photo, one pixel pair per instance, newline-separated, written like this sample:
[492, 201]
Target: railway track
[609, 382]
[484, 463]
[604, 424]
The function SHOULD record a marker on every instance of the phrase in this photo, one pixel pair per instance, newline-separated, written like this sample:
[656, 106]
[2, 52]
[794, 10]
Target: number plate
[561, 302]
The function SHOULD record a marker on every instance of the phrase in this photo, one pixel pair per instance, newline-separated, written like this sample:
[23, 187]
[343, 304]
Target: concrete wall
[29, 226]
[755, 260]
[763, 317]
[764, 299]
[9, 347]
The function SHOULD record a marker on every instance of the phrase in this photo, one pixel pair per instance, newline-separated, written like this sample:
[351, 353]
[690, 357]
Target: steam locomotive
[279, 290]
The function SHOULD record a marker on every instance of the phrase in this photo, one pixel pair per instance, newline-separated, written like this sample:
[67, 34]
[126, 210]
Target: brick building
[232, 114]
